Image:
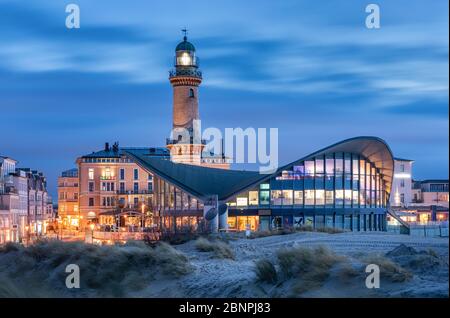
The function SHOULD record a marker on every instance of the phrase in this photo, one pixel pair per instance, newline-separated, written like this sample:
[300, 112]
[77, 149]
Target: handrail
[405, 224]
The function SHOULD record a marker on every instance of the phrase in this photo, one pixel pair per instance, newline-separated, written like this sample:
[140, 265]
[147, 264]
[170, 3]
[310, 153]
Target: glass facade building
[337, 189]
[345, 186]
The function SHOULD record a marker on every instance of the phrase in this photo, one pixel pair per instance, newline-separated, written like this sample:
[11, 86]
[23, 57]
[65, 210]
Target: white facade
[401, 194]
[25, 206]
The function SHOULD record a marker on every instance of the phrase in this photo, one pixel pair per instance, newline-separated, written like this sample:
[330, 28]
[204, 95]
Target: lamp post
[92, 227]
[60, 229]
[27, 228]
[142, 217]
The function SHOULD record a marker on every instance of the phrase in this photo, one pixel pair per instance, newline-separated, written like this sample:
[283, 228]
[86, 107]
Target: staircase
[404, 226]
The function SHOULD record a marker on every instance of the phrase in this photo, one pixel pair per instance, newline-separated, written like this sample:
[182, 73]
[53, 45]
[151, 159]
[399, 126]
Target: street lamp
[27, 228]
[142, 217]
[92, 227]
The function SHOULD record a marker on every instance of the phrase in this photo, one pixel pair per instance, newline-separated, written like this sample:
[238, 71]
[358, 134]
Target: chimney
[106, 146]
[116, 146]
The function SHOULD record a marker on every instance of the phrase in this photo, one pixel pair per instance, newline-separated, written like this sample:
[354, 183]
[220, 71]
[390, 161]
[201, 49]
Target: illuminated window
[91, 174]
[276, 197]
[329, 198]
[339, 198]
[309, 197]
[264, 197]
[319, 166]
[309, 168]
[253, 197]
[241, 201]
[320, 197]
[287, 197]
[298, 197]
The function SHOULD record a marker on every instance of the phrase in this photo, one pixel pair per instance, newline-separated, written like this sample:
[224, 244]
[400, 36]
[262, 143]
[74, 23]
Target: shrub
[310, 267]
[219, 249]
[10, 247]
[265, 271]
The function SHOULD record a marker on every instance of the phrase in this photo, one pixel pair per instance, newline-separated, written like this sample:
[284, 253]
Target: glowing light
[185, 59]
[402, 176]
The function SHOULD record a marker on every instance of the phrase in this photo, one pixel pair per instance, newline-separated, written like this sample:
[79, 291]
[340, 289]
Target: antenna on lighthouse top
[185, 31]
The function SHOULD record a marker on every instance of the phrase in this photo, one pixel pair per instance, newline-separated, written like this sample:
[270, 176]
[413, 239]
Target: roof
[185, 46]
[434, 181]
[203, 182]
[155, 151]
[71, 173]
[402, 159]
[373, 148]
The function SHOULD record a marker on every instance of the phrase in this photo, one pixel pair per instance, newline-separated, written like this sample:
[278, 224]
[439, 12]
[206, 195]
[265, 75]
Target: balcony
[176, 141]
[131, 192]
[103, 178]
[185, 72]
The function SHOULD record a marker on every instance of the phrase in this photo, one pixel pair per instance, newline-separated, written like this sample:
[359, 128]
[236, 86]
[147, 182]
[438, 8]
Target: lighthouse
[185, 144]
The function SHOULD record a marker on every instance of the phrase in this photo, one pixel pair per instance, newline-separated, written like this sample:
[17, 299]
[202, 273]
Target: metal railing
[134, 192]
[185, 72]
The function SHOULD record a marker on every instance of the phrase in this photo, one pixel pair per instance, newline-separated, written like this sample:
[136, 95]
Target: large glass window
[319, 166]
[309, 197]
[339, 165]
[298, 197]
[309, 168]
[348, 198]
[264, 197]
[329, 162]
[347, 163]
[276, 197]
[287, 197]
[320, 197]
[339, 200]
[329, 199]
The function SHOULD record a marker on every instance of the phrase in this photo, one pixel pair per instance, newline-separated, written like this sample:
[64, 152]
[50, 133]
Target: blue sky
[309, 68]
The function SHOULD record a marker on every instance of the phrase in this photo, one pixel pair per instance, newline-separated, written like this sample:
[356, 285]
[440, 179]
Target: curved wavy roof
[204, 182]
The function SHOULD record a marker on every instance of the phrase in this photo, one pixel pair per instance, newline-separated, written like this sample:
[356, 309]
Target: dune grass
[105, 271]
[219, 248]
[266, 271]
[389, 270]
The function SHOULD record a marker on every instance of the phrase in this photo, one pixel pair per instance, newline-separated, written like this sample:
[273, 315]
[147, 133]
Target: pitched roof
[198, 181]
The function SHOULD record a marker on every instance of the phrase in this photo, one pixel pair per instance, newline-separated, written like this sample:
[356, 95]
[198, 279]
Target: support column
[211, 215]
[223, 217]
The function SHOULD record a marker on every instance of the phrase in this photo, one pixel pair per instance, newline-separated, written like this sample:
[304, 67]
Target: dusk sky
[309, 68]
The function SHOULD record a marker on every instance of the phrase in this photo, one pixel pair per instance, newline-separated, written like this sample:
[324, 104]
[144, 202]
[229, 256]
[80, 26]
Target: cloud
[312, 69]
